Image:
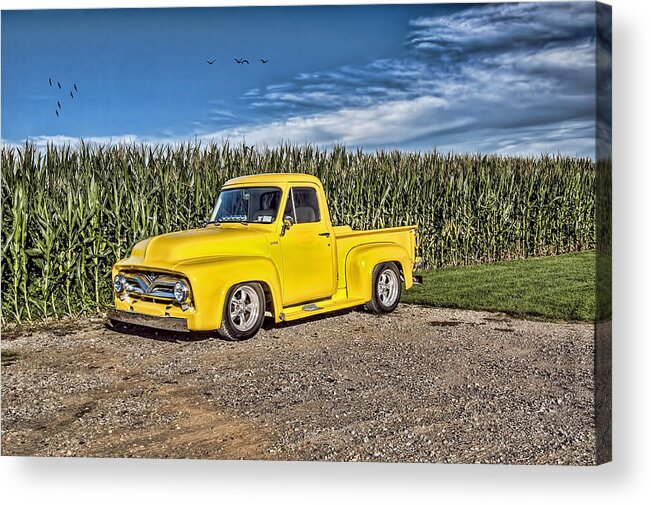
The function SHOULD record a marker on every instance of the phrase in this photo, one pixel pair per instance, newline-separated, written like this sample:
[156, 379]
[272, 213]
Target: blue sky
[505, 78]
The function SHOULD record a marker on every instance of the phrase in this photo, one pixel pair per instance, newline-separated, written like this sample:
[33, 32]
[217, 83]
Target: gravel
[418, 385]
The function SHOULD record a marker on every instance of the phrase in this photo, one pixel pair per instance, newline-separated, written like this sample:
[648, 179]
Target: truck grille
[156, 286]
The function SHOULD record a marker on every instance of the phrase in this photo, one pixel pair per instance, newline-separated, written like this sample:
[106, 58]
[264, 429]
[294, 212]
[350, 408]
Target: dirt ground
[418, 385]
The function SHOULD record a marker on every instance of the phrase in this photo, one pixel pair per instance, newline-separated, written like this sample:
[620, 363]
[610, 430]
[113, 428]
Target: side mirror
[287, 224]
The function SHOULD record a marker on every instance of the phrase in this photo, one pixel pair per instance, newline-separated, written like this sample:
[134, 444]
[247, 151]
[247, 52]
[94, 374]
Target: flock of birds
[72, 95]
[241, 61]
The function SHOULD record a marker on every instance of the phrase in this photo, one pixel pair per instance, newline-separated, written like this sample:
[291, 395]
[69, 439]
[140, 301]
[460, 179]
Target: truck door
[308, 249]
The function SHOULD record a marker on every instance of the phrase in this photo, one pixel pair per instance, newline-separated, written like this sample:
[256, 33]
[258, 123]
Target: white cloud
[43, 140]
[502, 27]
[388, 123]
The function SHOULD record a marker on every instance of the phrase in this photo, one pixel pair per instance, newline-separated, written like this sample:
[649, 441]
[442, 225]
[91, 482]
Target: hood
[174, 248]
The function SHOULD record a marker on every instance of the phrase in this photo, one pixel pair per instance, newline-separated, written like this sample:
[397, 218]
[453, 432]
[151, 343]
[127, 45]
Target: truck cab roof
[270, 179]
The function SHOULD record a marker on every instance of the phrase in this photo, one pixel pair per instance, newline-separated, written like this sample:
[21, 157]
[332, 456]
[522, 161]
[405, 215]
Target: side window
[303, 205]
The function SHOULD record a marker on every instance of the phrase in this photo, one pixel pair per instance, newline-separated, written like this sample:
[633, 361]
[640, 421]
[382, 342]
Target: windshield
[247, 205]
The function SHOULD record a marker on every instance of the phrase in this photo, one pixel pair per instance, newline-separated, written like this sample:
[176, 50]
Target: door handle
[324, 234]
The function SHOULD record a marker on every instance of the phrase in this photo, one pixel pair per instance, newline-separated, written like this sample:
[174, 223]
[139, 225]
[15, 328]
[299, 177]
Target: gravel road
[418, 385]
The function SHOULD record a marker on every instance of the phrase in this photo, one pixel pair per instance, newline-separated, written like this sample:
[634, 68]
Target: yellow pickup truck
[269, 249]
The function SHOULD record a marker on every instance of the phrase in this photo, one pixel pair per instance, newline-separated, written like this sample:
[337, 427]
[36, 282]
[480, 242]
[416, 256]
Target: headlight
[181, 291]
[119, 282]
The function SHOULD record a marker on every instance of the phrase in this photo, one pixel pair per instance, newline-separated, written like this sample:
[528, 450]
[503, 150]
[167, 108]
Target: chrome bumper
[160, 323]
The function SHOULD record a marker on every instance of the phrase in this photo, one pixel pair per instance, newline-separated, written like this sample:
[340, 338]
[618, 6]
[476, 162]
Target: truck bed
[347, 231]
[346, 239]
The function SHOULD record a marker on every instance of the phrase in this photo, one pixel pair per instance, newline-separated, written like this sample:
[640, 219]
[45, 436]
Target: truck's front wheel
[386, 289]
[243, 311]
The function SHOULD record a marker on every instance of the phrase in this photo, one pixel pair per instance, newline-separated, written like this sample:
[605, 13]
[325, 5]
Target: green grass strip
[555, 287]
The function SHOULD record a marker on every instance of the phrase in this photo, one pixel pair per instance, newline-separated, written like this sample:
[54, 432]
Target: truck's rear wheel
[243, 311]
[386, 289]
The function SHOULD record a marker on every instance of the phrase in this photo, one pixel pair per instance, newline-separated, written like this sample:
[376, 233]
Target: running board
[301, 311]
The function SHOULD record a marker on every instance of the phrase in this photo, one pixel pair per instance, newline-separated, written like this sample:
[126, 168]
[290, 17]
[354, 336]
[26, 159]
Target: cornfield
[68, 213]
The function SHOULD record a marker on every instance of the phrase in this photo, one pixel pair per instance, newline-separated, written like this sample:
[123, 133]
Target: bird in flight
[75, 87]
[71, 95]
[59, 84]
[59, 104]
[242, 61]
[57, 112]
[210, 62]
[50, 81]
[264, 61]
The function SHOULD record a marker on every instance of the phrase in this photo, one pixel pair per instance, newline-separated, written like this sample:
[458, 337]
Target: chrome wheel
[388, 287]
[244, 308]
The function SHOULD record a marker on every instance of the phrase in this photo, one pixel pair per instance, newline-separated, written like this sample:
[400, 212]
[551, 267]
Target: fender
[361, 261]
[223, 273]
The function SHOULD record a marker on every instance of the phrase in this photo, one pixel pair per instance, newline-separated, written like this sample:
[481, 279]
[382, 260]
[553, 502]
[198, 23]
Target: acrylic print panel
[413, 266]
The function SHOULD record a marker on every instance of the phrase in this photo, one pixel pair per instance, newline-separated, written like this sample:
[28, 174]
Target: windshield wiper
[245, 223]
